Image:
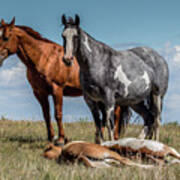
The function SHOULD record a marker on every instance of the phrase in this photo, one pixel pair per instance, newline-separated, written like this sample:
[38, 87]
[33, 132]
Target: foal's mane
[34, 33]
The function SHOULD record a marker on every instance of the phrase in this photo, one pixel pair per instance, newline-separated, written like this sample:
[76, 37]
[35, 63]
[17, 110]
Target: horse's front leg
[109, 102]
[147, 115]
[96, 116]
[43, 101]
[58, 102]
[110, 121]
[117, 117]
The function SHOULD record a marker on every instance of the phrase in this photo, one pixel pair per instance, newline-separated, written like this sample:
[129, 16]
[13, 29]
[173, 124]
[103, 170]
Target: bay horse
[46, 72]
[137, 77]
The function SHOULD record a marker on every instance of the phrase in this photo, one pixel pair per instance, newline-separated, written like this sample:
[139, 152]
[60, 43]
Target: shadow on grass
[22, 139]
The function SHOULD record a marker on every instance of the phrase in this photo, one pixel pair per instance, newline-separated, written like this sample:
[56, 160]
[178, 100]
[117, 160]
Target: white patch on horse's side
[87, 44]
[1, 33]
[146, 78]
[121, 76]
[137, 144]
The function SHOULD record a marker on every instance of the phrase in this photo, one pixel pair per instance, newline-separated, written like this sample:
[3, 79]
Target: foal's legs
[43, 101]
[58, 101]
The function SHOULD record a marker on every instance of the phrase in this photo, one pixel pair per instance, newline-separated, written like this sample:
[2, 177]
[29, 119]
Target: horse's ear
[2, 22]
[77, 20]
[63, 19]
[12, 23]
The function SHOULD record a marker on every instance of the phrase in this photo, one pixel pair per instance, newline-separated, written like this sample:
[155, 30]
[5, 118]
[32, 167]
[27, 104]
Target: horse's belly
[93, 93]
[132, 95]
[128, 101]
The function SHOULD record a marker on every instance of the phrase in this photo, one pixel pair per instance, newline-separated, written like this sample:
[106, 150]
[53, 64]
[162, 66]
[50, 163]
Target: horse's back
[158, 65]
[132, 78]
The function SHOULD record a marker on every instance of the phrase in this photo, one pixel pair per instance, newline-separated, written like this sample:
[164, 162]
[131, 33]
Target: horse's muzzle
[67, 61]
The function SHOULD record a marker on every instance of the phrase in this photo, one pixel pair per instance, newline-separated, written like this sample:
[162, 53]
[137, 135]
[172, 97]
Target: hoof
[59, 144]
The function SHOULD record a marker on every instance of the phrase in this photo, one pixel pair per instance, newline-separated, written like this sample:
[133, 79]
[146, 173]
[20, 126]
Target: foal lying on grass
[110, 153]
[92, 155]
[142, 148]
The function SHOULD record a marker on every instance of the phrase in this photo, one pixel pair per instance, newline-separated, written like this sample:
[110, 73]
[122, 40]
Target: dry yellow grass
[22, 143]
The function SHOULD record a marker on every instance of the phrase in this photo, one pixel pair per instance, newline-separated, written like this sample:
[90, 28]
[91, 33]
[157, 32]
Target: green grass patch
[22, 143]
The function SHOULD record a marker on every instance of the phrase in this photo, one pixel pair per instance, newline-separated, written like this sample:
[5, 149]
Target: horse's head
[8, 40]
[70, 37]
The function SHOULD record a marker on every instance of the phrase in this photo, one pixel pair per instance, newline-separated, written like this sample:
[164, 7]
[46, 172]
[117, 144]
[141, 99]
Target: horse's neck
[85, 50]
[29, 50]
[88, 48]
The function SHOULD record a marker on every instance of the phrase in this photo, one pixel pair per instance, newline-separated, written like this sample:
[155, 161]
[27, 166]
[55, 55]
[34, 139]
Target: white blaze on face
[69, 33]
[87, 44]
[146, 78]
[1, 33]
[121, 76]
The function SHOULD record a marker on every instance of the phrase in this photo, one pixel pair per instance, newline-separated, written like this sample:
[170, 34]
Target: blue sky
[121, 24]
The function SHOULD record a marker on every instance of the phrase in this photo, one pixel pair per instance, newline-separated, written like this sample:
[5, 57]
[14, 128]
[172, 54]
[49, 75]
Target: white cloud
[173, 101]
[14, 76]
[172, 55]
[176, 57]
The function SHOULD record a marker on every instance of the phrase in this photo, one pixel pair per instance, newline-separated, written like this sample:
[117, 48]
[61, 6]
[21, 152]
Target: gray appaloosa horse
[136, 77]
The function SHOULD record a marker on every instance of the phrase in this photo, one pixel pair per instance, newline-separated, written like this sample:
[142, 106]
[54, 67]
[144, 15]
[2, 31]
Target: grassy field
[22, 143]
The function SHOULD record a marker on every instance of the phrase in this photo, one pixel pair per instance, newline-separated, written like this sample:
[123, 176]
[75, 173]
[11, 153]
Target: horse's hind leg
[157, 108]
[148, 117]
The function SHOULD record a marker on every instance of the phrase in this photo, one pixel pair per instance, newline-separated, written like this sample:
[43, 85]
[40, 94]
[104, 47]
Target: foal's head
[70, 37]
[8, 40]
